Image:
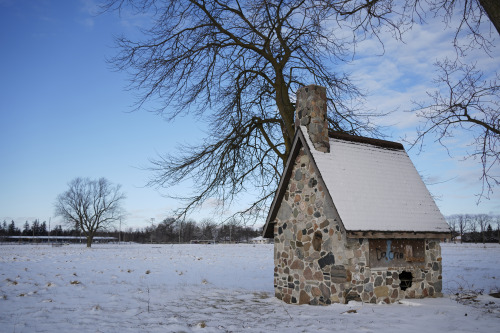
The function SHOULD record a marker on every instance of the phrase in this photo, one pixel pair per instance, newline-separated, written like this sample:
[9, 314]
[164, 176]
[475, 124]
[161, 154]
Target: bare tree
[237, 65]
[472, 223]
[463, 226]
[468, 102]
[165, 230]
[208, 229]
[369, 17]
[483, 220]
[90, 205]
[467, 99]
[453, 224]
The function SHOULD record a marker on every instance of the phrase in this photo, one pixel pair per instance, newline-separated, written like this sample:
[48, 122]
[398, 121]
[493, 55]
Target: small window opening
[406, 280]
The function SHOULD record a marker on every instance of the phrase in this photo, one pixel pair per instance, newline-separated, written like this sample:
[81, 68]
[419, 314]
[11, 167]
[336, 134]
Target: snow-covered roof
[375, 187]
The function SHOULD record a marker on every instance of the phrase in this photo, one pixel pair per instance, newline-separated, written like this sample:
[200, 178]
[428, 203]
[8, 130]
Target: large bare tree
[237, 64]
[90, 205]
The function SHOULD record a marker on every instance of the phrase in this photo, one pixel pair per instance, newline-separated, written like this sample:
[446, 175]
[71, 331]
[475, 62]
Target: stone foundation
[315, 262]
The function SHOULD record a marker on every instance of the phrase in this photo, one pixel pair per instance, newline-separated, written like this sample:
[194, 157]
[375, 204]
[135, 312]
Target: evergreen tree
[42, 231]
[489, 233]
[27, 229]
[3, 228]
[35, 226]
[13, 230]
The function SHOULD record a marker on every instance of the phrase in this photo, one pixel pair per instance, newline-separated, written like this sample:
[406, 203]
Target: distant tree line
[483, 228]
[171, 230]
[167, 231]
[476, 228]
[36, 228]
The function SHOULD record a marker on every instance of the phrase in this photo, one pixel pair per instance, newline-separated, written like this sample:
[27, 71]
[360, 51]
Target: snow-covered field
[216, 288]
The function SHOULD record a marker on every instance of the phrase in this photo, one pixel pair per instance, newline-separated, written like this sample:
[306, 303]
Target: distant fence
[54, 239]
[202, 241]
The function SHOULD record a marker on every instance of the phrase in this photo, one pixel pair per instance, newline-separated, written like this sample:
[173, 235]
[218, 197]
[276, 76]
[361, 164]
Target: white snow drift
[217, 288]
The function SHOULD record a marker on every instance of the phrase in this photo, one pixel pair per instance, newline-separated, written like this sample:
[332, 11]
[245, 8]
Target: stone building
[351, 218]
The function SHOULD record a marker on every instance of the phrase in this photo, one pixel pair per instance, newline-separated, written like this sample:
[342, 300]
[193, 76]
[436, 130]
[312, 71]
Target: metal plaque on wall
[396, 252]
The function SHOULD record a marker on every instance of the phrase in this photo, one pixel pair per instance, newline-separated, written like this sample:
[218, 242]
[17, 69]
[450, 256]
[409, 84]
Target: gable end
[268, 231]
[298, 143]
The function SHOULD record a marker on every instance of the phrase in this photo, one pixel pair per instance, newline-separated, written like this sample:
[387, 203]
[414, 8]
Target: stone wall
[315, 262]
[390, 284]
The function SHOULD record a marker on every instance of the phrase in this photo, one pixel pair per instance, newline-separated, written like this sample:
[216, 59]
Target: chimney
[310, 111]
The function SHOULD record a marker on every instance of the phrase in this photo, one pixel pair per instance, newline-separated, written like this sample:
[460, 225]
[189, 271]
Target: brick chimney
[310, 111]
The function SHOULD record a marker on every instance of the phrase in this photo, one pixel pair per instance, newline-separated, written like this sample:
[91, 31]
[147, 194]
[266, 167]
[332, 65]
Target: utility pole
[152, 227]
[120, 232]
[180, 231]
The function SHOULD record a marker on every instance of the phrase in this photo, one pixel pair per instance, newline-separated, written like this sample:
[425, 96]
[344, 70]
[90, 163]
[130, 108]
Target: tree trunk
[286, 110]
[492, 9]
[90, 238]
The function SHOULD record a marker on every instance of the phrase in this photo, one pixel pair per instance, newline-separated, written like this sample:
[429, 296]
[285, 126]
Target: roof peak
[362, 139]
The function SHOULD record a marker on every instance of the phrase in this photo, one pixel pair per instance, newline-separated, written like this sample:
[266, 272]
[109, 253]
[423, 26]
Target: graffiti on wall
[396, 252]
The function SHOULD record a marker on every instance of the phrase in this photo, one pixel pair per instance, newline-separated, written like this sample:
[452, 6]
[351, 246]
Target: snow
[215, 288]
[376, 189]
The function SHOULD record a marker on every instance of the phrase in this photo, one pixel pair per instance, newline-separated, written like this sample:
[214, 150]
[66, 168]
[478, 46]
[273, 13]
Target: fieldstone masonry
[310, 111]
[315, 262]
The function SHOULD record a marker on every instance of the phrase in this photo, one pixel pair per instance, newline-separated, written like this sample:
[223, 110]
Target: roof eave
[398, 234]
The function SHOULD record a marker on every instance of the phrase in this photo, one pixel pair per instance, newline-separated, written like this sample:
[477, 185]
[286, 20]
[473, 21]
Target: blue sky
[64, 113]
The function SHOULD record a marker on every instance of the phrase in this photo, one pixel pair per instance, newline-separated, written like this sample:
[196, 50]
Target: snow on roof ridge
[362, 139]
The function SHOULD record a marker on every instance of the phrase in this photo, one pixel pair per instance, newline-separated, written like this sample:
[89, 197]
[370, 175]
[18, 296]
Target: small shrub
[13, 282]
[261, 295]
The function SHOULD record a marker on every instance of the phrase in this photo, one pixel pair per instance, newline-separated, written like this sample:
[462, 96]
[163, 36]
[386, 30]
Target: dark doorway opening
[406, 279]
